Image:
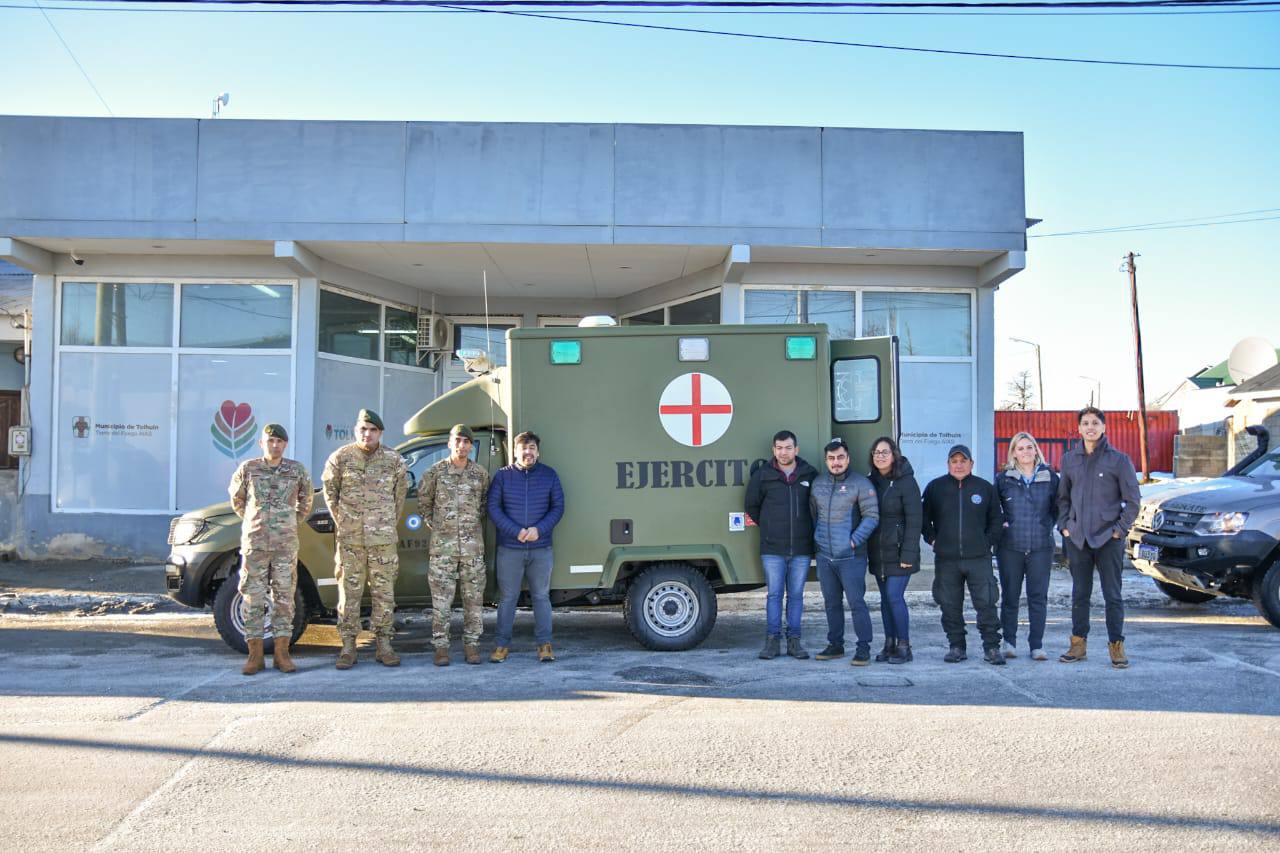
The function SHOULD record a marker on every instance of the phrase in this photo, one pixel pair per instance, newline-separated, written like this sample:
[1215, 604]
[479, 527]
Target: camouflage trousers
[268, 577]
[444, 575]
[380, 565]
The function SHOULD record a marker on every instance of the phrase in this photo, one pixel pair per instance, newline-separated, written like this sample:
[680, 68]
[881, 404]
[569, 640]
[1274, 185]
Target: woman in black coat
[894, 548]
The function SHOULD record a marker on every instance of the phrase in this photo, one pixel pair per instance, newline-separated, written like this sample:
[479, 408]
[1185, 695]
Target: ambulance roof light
[596, 321]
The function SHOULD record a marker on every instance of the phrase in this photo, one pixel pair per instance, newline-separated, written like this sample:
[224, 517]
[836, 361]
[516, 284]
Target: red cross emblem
[695, 409]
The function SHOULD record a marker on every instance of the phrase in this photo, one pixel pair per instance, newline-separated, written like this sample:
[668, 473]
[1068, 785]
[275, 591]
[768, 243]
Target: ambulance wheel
[230, 624]
[1181, 593]
[670, 607]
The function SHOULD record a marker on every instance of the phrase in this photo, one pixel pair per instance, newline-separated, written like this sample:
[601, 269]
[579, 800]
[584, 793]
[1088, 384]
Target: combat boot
[442, 657]
[254, 664]
[545, 654]
[1118, 658]
[386, 655]
[1077, 651]
[280, 655]
[347, 657]
[890, 646]
[472, 653]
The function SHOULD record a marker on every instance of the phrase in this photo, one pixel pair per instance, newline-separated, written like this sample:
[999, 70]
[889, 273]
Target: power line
[731, 4]
[428, 10]
[1125, 229]
[71, 54]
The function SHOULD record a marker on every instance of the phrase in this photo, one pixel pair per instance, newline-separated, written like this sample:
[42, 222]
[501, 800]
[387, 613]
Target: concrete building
[195, 279]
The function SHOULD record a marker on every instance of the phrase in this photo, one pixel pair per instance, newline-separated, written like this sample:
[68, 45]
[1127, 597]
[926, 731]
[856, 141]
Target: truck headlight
[1221, 522]
[187, 530]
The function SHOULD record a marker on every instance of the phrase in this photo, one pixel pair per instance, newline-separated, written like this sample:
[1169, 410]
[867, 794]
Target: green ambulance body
[654, 432]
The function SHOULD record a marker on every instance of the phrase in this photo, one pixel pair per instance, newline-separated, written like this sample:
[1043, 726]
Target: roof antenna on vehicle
[488, 345]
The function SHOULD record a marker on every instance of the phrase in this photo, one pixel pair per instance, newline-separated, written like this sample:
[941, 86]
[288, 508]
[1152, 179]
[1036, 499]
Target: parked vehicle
[1217, 537]
[654, 432]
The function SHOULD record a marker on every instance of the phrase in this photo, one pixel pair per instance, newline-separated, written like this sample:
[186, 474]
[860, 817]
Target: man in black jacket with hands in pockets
[963, 522]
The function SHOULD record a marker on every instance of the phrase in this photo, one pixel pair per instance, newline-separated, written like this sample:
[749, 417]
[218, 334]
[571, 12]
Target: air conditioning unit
[435, 333]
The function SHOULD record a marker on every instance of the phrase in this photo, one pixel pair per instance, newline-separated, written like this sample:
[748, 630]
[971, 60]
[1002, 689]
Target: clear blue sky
[1104, 145]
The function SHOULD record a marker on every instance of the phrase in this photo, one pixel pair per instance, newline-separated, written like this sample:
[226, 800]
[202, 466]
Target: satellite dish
[1249, 358]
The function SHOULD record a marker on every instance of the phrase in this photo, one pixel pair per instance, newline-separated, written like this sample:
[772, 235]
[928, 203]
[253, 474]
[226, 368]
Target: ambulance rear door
[864, 393]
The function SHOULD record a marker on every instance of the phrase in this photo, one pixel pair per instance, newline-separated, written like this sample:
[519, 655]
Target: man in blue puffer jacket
[525, 503]
[845, 512]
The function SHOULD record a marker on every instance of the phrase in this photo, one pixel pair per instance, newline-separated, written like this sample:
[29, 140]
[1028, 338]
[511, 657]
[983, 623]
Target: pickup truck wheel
[230, 624]
[1266, 594]
[670, 607]
[1181, 593]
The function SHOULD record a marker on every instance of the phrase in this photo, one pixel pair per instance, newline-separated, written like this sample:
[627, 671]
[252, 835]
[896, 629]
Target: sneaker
[831, 652]
[862, 654]
[956, 655]
[1118, 658]
[795, 649]
[1009, 651]
[884, 654]
[993, 656]
[1038, 654]
[770, 650]
[901, 653]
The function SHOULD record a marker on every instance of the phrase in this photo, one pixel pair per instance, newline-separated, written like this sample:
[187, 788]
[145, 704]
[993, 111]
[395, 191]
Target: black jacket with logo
[781, 509]
[962, 518]
[896, 539]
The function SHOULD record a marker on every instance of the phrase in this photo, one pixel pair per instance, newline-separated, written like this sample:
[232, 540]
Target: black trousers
[949, 579]
[1109, 561]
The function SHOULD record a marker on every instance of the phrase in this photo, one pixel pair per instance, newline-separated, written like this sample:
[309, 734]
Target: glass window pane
[474, 336]
[649, 318]
[937, 412]
[114, 431]
[925, 323]
[697, 311]
[855, 390]
[224, 401]
[342, 390]
[833, 307]
[248, 316]
[770, 306]
[404, 393]
[348, 326]
[401, 337]
[117, 315]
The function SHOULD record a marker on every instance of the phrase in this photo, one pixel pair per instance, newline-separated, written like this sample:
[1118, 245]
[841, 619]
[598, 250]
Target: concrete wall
[472, 182]
[1199, 455]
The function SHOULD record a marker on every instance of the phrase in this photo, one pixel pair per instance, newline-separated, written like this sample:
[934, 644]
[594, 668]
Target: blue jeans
[841, 579]
[789, 572]
[532, 565]
[893, 608]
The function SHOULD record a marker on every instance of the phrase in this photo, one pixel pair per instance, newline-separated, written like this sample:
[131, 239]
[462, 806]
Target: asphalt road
[139, 733]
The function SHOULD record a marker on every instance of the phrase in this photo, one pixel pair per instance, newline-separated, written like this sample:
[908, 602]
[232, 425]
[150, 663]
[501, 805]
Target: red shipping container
[1056, 432]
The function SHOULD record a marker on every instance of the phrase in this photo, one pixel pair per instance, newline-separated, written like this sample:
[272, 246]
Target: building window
[401, 342]
[648, 318]
[104, 314]
[349, 326]
[833, 307]
[493, 340]
[771, 306]
[243, 316]
[928, 324]
[696, 312]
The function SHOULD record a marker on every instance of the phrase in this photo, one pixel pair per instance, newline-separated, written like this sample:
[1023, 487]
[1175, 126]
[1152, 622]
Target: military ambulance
[654, 432]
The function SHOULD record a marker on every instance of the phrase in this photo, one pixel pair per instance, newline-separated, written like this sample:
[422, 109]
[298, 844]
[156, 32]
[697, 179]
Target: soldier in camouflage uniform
[272, 494]
[451, 501]
[365, 485]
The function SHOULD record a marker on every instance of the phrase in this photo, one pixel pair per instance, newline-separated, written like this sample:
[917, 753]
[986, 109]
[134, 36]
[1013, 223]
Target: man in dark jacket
[525, 503]
[1097, 504]
[778, 503]
[845, 512]
[962, 521]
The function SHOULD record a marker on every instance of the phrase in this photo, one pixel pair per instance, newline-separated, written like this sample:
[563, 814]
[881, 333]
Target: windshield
[1267, 466]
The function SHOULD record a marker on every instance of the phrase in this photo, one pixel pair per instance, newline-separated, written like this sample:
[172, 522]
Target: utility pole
[1039, 371]
[1131, 267]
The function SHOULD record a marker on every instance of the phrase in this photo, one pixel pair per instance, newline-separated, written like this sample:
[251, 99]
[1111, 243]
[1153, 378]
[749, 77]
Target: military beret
[275, 431]
[462, 430]
[370, 416]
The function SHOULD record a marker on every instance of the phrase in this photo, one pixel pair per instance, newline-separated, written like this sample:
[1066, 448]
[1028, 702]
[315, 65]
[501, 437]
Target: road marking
[586, 570]
[1244, 664]
[146, 709]
[1025, 693]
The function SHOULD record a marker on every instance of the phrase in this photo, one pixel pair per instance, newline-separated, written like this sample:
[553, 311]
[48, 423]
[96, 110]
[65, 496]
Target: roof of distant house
[1267, 380]
[1216, 376]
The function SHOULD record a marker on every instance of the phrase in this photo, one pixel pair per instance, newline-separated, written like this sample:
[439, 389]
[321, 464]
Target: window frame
[666, 306]
[832, 385]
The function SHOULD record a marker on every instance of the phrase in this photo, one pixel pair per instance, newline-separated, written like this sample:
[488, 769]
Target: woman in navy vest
[1028, 490]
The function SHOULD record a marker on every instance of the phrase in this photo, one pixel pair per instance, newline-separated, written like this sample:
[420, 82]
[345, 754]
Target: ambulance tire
[230, 624]
[670, 607]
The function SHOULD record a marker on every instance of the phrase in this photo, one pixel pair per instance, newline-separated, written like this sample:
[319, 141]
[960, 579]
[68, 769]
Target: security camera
[77, 260]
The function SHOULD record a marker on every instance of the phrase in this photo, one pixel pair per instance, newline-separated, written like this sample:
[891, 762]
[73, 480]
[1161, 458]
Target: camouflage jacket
[451, 501]
[365, 493]
[271, 501]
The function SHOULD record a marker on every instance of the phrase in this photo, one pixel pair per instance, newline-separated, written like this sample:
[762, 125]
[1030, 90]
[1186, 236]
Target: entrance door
[10, 415]
[864, 393]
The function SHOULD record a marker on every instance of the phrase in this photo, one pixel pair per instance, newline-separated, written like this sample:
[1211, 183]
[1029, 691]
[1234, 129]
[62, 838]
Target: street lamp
[1097, 382]
[1039, 371]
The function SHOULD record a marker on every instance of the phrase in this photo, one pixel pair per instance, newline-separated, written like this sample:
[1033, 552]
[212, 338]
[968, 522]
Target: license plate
[1150, 553]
